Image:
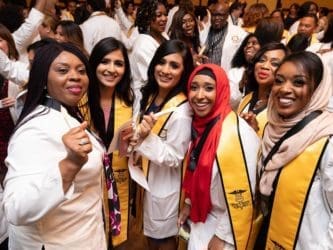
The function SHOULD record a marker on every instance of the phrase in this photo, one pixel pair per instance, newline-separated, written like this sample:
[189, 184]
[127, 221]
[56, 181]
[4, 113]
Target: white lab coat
[166, 153]
[38, 210]
[26, 33]
[235, 76]
[233, 40]
[97, 27]
[218, 222]
[316, 230]
[15, 71]
[143, 51]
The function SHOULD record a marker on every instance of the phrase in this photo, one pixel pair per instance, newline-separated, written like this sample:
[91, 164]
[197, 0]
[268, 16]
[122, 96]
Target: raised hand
[78, 144]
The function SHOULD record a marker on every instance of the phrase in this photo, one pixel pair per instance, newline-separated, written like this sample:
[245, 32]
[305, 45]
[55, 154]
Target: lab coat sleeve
[235, 76]
[33, 184]
[14, 71]
[326, 169]
[24, 35]
[124, 21]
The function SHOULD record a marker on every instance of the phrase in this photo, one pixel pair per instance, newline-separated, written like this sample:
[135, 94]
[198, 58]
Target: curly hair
[146, 14]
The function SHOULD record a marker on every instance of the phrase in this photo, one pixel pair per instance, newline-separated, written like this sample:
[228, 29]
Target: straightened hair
[38, 77]
[151, 88]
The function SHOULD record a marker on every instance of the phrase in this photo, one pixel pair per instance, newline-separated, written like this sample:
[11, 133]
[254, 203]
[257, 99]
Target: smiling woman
[260, 77]
[220, 165]
[151, 22]
[162, 143]
[109, 105]
[53, 184]
[297, 145]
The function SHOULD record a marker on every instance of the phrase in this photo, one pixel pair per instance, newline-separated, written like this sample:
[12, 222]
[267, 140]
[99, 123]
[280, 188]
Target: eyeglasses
[219, 15]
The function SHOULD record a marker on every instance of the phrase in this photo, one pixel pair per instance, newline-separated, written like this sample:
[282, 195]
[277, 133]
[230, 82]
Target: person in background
[28, 31]
[321, 27]
[48, 27]
[162, 142]
[69, 12]
[326, 43]
[130, 9]
[306, 8]
[150, 20]
[278, 15]
[292, 16]
[126, 21]
[201, 13]
[253, 15]
[221, 39]
[307, 26]
[269, 30]
[178, 4]
[239, 66]
[56, 193]
[98, 25]
[221, 165]
[109, 106]
[235, 12]
[8, 114]
[253, 106]
[297, 146]
[184, 27]
[68, 31]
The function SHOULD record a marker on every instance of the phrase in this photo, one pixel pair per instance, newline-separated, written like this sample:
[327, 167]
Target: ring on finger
[83, 141]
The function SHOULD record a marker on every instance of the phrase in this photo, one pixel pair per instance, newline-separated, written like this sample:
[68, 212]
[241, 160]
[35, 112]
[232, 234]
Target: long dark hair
[176, 29]
[72, 32]
[122, 90]
[38, 78]
[269, 30]
[152, 88]
[328, 34]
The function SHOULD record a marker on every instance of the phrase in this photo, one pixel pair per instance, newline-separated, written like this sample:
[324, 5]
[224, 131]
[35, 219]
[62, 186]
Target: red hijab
[197, 182]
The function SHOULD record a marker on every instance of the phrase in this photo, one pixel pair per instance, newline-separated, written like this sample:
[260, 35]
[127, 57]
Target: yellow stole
[157, 129]
[289, 208]
[235, 180]
[159, 125]
[261, 117]
[122, 114]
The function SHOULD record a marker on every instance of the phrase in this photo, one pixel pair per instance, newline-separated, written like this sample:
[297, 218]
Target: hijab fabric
[293, 146]
[197, 182]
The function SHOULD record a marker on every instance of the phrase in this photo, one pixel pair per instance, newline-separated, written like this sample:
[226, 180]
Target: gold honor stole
[122, 114]
[235, 180]
[159, 125]
[157, 129]
[261, 117]
[290, 208]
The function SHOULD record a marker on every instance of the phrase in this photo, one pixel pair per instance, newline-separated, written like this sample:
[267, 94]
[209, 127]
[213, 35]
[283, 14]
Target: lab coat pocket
[165, 207]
